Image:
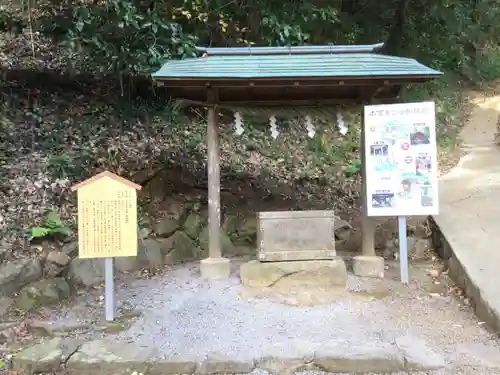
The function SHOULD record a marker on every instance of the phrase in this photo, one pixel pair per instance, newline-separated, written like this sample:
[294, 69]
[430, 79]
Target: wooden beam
[292, 81]
[289, 102]
[367, 223]
[213, 166]
[277, 103]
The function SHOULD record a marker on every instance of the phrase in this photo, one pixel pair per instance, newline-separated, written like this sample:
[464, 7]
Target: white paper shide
[401, 159]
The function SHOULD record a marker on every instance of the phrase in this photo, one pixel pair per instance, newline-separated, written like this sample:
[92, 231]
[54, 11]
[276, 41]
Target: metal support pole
[403, 249]
[213, 184]
[109, 297]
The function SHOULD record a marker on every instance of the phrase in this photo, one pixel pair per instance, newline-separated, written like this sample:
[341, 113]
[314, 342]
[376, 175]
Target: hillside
[75, 102]
[54, 136]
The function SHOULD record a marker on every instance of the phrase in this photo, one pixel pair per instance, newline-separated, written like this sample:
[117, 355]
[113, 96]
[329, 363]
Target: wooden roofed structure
[267, 77]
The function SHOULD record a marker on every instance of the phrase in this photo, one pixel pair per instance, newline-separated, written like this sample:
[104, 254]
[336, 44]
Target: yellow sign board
[107, 217]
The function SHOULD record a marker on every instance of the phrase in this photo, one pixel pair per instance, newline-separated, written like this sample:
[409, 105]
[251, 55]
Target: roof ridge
[291, 50]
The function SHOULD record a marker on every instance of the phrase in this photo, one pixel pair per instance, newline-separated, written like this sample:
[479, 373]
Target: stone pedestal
[215, 268]
[307, 273]
[297, 283]
[368, 266]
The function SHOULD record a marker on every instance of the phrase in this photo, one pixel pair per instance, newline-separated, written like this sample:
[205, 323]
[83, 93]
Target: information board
[401, 159]
[107, 217]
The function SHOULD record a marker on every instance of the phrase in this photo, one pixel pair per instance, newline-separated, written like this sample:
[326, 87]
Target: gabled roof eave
[326, 80]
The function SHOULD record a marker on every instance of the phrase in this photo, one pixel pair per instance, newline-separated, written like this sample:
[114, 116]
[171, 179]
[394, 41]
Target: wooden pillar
[367, 223]
[213, 165]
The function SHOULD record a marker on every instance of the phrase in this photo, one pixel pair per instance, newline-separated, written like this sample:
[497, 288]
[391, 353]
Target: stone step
[112, 358]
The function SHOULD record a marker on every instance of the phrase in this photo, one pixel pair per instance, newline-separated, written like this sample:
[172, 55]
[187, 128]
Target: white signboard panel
[401, 159]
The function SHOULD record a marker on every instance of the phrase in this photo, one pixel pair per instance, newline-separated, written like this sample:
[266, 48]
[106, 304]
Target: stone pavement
[469, 220]
[177, 323]
[99, 356]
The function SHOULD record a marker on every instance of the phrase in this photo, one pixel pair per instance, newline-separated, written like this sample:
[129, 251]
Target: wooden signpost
[107, 224]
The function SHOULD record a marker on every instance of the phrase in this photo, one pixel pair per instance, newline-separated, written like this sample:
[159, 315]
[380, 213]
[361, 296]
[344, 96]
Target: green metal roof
[331, 65]
[250, 50]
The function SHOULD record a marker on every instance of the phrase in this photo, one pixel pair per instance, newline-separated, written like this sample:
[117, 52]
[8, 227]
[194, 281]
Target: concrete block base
[368, 266]
[215, 268]
[307, 273]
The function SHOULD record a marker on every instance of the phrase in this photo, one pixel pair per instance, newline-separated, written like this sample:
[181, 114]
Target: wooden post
[213, 180]
[367, 223]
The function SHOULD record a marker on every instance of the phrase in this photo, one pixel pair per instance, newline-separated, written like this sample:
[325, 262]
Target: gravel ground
[182, 315]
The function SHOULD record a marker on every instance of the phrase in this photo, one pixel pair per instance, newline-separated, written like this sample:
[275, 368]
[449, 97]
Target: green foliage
[59, 165]
[448, 96]
[339, 155]
[124, 38]
[487, 67]
[134, 37]
[72, 163]
[130, 36]
[11, 22]
[51, 225]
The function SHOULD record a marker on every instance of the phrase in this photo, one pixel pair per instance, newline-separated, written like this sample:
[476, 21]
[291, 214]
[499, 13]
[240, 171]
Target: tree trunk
[396, 39]
[471, 43]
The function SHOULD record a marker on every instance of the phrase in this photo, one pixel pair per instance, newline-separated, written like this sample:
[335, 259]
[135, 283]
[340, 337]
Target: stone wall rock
[342, 229]
[17, 273]
[42, 293]
[175, 217]
[230, 226]
[246, 232]
[166, 244]
[418, 248]
[183, 248]
[166, 226]
[55, 263]
[70, 249]
[5, 304]
[86, 272]
[150, 253]
[227, 246]
[127, 264]
[194, 225]
[3, 253]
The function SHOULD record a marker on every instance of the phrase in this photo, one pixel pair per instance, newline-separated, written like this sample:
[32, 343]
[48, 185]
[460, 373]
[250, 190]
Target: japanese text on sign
[401, 164]
[107, 220]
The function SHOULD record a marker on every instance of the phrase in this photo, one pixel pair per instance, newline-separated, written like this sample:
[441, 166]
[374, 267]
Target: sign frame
[401, 159]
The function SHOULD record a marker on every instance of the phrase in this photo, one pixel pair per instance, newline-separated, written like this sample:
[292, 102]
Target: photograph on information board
[401, 159]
